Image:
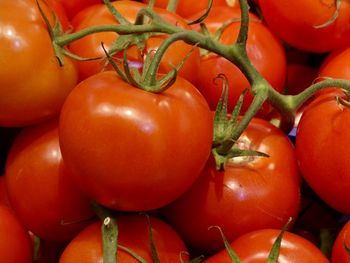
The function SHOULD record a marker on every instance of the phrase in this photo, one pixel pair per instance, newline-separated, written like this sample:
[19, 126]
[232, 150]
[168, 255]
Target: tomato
[129, 149]
[249, 188]
[339, 252]
[336, 65]
[40, 188]
[33, 85]
[254, 247]
[60, 12]
[15, 243]
[90, 46]
[296, 21]
[73, 7]
[187, 8]
[133, 234]
[261, 47]
[322, 140]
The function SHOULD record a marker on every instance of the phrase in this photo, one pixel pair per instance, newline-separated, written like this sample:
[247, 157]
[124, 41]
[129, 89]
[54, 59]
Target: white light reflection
[136, 118]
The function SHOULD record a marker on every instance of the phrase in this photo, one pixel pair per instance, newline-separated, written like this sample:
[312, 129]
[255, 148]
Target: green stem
[119, 29]
[172, 5]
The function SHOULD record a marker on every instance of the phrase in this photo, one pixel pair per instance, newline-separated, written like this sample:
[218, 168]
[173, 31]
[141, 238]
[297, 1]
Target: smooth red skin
[40, 188]
[244, 197]
[294, 22]
[322, 142]
[15, 244]
[131, 149]
[261, 47]
[90, 46]
[33, 86]
[133, 234]
[339, 253]
[187, 8]
[61, 13]
[72, 7]
[254, 247]
[335, 65]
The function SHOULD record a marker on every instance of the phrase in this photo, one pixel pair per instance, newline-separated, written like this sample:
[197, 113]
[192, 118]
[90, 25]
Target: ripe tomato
[33, 85]
[15, 244]
[187, 8]
[254, 247]
[339, 252]
[336, 65]
[261, 47]
[248, 189]
[39, 186]
[131, 149]
[73, 7]
[90, 46]
[296, 21]
[322, 142]
[133, 233]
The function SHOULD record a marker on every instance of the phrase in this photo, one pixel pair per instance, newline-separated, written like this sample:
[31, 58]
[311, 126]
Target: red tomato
[131, 149]
[336, 65]
[322, 143]
[90, 46]
[296, 21]
[254, 247]
[248, 189]
[73, 7]
[187, 8]
[59, 10]
[33, 85]
[133, 233]
[339, 252]
[39, 186]
[261, 47]
[15, 244]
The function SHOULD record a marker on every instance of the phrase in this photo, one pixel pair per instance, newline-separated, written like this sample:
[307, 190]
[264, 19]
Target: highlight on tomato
[262, 45]
[251, 193]
[90, 46]
[39, 186]
[314, 26]
[33, 84]
[130, 149]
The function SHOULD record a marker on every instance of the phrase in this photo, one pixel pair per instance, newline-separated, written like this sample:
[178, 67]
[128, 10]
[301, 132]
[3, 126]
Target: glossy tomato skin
[295, 22]
[248, 195]
[131, 149]
[254, 247]
[90, 46]
[39, 186]
[72, 7]
[339, 253]
[322, 141]
[15, 244]
[187, 8]
[262, 45]
[133, 233]
[33, 86]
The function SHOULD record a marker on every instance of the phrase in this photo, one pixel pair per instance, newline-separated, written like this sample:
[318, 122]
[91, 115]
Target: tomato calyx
[225, 146]
[274, 252]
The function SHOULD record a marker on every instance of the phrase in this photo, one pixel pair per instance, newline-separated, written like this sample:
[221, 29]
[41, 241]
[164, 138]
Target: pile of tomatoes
[84, 148]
